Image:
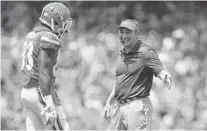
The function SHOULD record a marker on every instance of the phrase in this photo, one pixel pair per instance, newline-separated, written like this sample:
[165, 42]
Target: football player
[39, 58]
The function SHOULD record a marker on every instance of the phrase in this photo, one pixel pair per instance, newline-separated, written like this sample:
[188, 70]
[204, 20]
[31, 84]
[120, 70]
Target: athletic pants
[134, 115]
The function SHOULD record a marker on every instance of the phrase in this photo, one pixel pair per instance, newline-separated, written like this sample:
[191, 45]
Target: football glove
[49, 111]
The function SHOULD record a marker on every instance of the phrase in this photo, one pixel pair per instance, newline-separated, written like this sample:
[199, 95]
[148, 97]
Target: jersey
[41, 38]
[135, 70]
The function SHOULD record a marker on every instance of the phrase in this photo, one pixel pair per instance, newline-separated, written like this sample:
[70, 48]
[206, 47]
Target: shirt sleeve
[152, 61]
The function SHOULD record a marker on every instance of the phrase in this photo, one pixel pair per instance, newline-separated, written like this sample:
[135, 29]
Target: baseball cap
[129, 24]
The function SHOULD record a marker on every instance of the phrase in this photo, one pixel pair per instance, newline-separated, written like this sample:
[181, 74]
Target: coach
[129, 106]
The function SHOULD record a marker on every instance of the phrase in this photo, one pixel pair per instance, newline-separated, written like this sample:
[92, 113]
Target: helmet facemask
[62, 31]
[65, 30]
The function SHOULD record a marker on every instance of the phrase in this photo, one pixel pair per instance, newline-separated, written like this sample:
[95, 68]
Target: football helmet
[57, 17]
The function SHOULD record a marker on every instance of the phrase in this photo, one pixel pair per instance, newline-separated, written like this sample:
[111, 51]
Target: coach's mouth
[125, 40]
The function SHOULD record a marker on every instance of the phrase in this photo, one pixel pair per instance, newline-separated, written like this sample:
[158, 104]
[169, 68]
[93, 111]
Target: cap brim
[125, 27]
[128, 24]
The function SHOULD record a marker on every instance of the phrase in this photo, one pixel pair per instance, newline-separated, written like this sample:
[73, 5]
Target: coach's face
[127, 37]
[128, 32]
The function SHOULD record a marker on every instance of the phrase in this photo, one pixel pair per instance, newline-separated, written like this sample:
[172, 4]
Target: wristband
[49, 100]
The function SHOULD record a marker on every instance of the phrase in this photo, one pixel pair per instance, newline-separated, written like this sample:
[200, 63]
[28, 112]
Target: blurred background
[85, 76]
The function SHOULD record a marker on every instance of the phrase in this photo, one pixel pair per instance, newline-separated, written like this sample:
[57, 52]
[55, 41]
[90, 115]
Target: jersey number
[27, 60]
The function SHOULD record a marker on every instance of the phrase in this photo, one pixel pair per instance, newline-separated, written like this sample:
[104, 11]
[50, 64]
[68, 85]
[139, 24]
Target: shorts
[134, 115]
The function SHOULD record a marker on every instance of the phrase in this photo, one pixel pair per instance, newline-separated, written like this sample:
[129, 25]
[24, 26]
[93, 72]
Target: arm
[153, 62]
[44, 72]
[108, 106]
[111, 96]
[46, 85]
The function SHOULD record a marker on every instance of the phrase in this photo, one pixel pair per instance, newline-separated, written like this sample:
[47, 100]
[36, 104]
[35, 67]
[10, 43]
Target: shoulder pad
[50, 41]
[31, 36]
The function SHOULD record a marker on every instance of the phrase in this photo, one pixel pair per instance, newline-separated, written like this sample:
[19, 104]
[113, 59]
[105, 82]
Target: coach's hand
[51, 115]
[166, 78]
[107, 111]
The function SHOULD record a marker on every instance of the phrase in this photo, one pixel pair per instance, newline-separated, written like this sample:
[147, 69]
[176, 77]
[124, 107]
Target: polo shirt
[135, 70]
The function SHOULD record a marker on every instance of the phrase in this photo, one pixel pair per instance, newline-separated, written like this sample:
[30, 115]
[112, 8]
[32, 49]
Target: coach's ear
[137, 32]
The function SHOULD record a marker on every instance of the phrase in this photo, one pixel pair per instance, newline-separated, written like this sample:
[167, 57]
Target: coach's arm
[108, 106]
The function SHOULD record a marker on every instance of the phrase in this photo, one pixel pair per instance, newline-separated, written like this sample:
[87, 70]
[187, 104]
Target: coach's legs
[136, 115]
[139, 114]
[117, 118]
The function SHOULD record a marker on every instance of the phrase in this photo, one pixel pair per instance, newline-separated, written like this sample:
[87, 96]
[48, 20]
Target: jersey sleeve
[49, 42]
[152, 61]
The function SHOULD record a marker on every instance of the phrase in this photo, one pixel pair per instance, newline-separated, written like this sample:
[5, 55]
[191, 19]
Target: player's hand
[51, 115]
[168, 80]
[108, 111]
